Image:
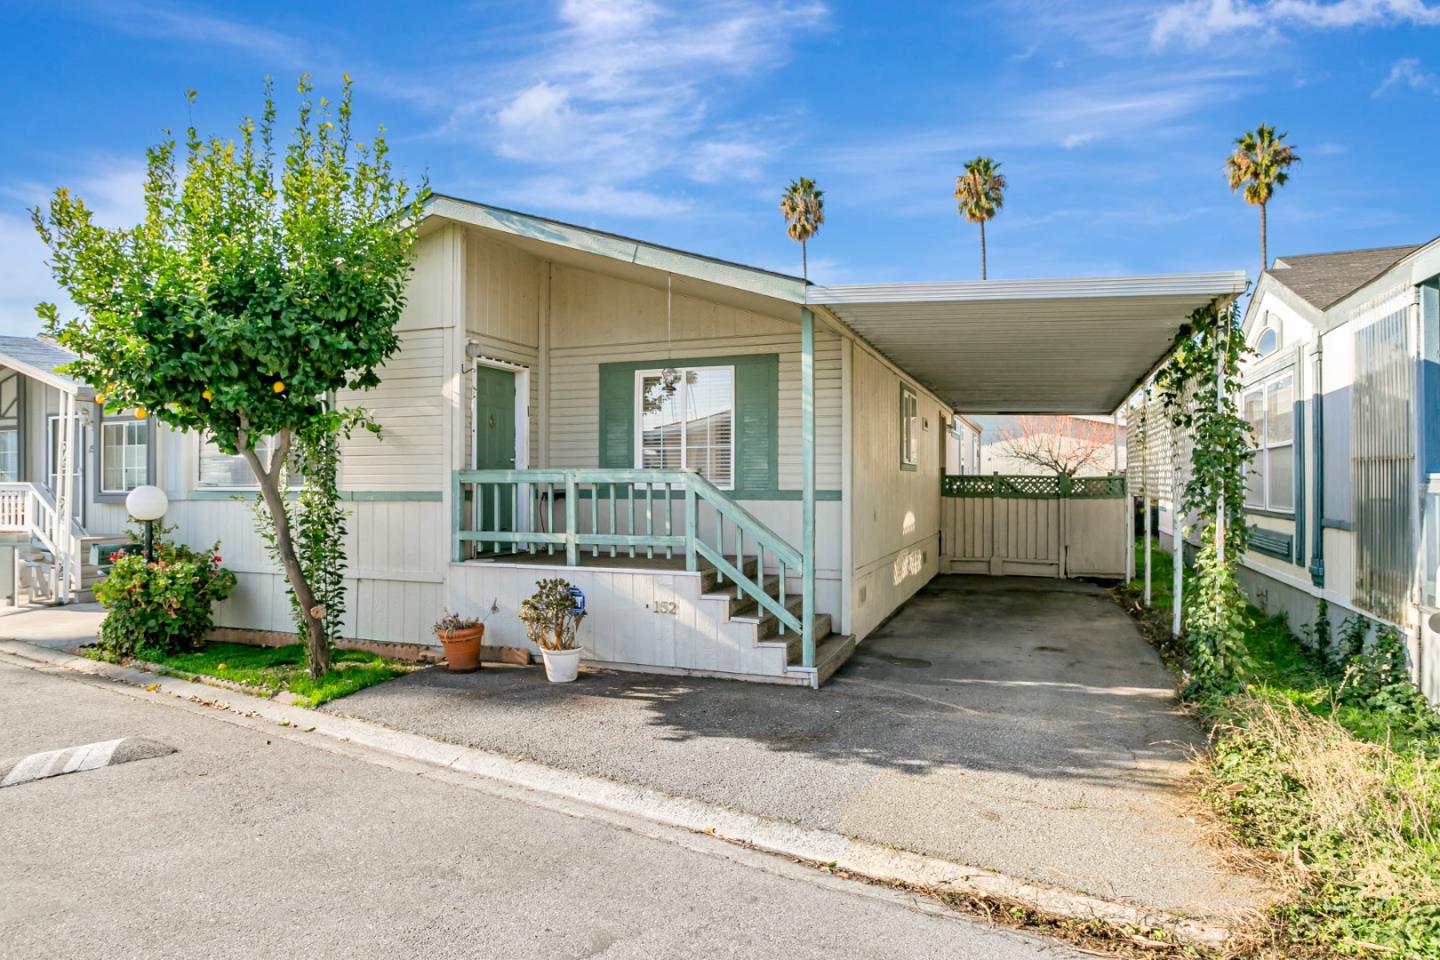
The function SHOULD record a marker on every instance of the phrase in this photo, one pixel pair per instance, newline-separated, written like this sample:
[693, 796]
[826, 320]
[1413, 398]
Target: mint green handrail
[730, 564]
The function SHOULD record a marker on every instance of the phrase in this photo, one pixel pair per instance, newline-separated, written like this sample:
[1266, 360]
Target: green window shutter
[757, 419]
[617, 416]
[757, 443]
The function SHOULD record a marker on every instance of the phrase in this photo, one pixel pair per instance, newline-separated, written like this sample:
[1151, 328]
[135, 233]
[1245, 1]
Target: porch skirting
[637, 619]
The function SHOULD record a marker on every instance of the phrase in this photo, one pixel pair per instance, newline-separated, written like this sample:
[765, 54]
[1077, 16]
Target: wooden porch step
[830, 655]
[738, 601]
[710, 577]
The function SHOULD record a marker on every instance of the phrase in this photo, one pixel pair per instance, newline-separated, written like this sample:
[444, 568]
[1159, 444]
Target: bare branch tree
[1059, 444]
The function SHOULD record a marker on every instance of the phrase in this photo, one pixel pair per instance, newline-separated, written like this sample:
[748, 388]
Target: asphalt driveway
[1020, 725]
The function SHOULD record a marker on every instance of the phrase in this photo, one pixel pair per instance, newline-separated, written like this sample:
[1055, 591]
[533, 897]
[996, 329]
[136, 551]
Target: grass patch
[1335, 796]
[272, 669]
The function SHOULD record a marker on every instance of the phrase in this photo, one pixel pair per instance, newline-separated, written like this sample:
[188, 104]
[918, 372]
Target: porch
[731, 592]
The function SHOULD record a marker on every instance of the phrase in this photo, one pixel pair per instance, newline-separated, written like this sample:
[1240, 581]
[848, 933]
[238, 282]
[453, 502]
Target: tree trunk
[1264, 253]
[982, 251]
[804, 261]
[315, 640]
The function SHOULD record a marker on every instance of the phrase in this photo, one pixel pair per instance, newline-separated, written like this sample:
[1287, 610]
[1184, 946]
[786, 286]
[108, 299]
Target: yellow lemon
[100, 399]
[140, 413]
[207, 395]
[220, 666]
[278, 386]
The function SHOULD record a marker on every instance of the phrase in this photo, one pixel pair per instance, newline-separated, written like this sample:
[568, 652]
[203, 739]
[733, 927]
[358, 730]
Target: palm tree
[981, 192]
[1259, 164]
[804, 210]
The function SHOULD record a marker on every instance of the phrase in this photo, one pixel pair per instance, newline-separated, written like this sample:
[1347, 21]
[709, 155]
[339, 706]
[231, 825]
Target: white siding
[895, 514]
[409, 453]
[596, 319]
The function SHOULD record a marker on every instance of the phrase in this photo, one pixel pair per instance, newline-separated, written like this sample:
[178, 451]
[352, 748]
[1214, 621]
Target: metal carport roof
[1027, 346]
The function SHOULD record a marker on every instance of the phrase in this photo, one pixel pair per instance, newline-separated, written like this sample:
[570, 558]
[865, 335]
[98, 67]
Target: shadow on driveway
[1016, 724]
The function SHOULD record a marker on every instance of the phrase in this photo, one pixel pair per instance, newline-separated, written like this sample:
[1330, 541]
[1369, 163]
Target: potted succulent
[460, 636]
[551, 616]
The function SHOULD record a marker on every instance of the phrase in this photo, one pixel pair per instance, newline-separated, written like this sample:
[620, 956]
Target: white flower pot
[561, 665]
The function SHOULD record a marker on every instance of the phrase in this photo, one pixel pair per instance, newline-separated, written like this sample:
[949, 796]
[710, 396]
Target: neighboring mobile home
[740, 470]
[1342, 394]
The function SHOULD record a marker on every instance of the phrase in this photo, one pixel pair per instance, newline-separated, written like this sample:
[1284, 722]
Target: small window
[1267, 342]
[1269, 409]
[223, 471]
[9, 454]
[124, 455]
[909, 429]
[52, 454]
[686, 421]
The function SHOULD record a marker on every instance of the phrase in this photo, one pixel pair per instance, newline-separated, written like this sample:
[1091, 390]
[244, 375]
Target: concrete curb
[818, 846]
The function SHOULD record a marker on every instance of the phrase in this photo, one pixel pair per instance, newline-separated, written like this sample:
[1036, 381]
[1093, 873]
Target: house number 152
[665, 606]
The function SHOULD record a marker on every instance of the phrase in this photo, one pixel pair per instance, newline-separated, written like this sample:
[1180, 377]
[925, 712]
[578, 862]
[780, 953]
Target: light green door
[495, 447]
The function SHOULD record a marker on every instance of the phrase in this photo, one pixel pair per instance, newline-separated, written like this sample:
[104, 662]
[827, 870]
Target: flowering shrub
[162, 606]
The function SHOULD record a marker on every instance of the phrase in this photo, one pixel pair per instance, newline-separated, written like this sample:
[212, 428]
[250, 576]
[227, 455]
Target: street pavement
[253, 841]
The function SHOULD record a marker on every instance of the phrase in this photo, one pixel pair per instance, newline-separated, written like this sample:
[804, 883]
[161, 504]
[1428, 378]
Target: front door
[495, 448]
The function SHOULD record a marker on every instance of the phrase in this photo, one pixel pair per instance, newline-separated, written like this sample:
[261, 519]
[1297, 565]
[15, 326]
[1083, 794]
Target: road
[255, 841]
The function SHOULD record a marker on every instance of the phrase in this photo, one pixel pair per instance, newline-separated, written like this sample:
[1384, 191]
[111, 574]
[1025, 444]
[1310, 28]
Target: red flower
[217, 558]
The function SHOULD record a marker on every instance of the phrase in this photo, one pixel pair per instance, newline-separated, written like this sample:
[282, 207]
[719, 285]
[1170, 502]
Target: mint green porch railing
[519, 513]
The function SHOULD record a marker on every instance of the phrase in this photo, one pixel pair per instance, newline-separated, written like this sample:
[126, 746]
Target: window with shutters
[687, 422]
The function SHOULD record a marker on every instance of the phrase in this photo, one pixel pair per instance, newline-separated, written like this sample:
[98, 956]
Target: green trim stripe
[382, 496]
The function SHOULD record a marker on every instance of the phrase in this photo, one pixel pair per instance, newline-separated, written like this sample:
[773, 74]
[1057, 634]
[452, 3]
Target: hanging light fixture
[669, 377]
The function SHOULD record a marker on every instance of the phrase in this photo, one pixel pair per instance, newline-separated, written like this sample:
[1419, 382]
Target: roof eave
[739, 276]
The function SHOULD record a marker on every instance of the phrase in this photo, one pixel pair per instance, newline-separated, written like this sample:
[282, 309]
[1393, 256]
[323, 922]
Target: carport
[1051, 346]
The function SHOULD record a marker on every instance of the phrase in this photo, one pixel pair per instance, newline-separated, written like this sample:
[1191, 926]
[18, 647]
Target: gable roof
[554, 239]
[1322, 279]
[40, 360]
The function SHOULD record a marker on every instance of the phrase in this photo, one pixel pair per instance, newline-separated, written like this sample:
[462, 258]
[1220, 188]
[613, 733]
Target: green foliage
[1329, 766]
[1208, 349]
[551, 616]
[1351, 826]
[272, 669]
[319, 522]
[1376, 680]
[164, 605]
[240, 301]
[1216, 624]
[256, 286]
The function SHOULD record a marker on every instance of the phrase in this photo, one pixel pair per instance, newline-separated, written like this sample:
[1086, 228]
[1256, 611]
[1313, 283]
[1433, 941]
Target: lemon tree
[260, 281]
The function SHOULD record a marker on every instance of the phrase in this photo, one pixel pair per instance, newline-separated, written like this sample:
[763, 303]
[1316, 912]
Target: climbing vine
[1199, 387]
[319, 521]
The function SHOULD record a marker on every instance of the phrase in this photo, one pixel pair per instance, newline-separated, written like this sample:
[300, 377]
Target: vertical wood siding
[596, 319]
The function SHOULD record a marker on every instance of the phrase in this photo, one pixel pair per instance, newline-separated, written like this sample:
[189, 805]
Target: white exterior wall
[555, 324]
[895, 513]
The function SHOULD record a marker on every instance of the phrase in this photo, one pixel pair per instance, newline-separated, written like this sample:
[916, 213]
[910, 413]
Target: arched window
[1267, 343]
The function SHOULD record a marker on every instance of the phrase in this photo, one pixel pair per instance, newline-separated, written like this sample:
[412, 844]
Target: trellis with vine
[1199, 386]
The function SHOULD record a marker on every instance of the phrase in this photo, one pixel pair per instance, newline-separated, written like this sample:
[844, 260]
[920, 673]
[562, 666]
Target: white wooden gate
[1035, 526]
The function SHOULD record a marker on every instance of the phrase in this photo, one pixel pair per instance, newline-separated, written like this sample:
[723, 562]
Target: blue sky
[681, 122]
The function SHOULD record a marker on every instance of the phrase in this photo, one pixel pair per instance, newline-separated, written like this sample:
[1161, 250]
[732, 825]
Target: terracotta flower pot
[462, 648]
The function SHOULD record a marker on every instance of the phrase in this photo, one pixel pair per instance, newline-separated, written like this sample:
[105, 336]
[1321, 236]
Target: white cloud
[1195, 23]
[1407, 73]
[714, 161]
[567, 194]
[622, 90]
[149, 19]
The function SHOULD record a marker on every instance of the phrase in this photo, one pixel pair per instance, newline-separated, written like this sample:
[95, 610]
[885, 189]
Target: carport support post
[807, 496]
